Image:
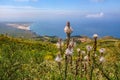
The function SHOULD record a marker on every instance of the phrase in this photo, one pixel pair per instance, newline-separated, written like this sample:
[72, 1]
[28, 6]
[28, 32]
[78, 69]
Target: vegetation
[15, 32]
[23, 59]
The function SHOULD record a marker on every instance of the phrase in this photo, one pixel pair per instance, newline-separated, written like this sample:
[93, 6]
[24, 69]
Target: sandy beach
[20, 26]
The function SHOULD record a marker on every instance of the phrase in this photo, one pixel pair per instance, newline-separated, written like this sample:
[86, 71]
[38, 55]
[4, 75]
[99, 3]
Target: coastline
[19, 26]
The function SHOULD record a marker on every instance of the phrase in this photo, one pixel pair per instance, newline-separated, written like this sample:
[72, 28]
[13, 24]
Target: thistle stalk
[77, 63]
[66, 65]
[58, 59]
[95, 36]
[68, 32]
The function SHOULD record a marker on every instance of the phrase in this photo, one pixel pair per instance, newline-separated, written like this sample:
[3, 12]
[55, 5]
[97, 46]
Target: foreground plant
[86, 64]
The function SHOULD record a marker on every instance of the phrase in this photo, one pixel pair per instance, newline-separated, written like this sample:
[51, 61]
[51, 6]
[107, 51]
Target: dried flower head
[102, 59]
[86, 57]
[102, 50]
[82, 52]
[67, 28]
[72, 43]
[58, 58]
[78, 49]
[89, 48]
[95, 35]
[69, 50]
[95, 55]
[59, 43]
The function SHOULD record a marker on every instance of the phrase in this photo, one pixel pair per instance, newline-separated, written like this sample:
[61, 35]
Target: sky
[33, 10]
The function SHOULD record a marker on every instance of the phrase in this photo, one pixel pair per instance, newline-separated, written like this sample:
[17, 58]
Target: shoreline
[20, 26]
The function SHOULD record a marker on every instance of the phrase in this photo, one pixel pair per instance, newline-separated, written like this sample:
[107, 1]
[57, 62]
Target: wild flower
[102, 59]
[58, 44]
[89, 48]
[78, 49]
[86, 57]
[69, 51]
[58, 58]
[83, 52]
[95, 55]
[102, 50]
[67, 28]
[72, 43]
[95, 35]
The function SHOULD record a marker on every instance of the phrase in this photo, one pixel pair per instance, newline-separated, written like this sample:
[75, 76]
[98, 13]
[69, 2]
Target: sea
[81, 27]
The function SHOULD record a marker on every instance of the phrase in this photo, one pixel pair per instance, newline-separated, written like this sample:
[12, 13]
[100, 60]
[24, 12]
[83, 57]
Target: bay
[81, 27]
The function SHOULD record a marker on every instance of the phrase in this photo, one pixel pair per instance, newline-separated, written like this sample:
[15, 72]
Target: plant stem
[59, 65]
[93, 58]
[66, 65]
[68, 39]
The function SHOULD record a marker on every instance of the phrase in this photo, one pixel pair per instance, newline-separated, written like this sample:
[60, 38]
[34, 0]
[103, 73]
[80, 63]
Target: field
[25, 59]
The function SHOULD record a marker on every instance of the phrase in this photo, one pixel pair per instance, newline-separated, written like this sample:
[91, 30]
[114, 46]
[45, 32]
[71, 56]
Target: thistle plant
[77, 63]
[95, 36]
[59, 45]
[102, 51]
[88, 48]
[58, 59]
[68, 30]
[85, 62]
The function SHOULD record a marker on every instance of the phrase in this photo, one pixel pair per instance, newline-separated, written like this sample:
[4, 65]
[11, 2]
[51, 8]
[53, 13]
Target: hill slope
[14, 31]
[23, 59]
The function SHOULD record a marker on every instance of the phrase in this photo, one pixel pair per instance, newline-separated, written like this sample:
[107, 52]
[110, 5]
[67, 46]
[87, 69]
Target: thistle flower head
[86, 57]
[102, 59]
[89, 48]
[69, 51]
[95, 35]
[59, 43]
[58, 58]
[67, 28]
[72, 43]
[95, 55]
[82, 52]
[78, 49]
[102, 50]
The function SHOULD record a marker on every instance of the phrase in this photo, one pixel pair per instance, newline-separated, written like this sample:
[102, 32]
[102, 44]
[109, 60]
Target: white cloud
[26, 0]
[97, 15]
[8, 12]
[32, 13]
[6, 9]
[97, 0]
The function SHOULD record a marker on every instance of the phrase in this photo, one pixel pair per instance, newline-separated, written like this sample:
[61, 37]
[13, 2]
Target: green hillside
[19, 57]
[24, 59]
[15, 32]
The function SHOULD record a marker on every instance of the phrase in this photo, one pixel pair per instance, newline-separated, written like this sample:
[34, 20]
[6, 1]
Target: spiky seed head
[78, 49]
[89, 48]
[102, 50]
[58, 58]
[102, 59]
[95, 35]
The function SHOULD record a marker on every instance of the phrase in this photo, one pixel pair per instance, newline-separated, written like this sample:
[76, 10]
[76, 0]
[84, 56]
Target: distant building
[84, 39]
[81, 38]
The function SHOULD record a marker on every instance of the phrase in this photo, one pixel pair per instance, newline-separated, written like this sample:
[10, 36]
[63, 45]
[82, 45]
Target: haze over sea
[83, 27]
[86, 16]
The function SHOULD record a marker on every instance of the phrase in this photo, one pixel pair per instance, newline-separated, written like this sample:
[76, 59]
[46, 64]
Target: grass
[24, 59]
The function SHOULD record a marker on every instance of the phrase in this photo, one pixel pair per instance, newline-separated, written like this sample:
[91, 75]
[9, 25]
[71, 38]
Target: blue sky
[33, 10]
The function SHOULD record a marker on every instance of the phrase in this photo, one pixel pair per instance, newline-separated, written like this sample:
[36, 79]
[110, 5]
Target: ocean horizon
[80, 27]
